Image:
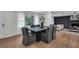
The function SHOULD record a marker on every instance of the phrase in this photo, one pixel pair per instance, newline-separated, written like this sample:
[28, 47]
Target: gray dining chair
[53, 31]
[35, 26]
[49, 34]
[47, 37]
[28, 38]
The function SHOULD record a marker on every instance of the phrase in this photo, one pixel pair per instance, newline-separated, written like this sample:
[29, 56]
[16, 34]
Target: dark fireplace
[75, 26]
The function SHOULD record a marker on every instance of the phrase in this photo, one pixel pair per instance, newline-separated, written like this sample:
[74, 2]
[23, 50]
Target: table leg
[38, 37]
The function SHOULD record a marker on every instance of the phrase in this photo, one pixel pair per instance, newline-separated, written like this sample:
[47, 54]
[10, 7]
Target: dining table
[37, 31]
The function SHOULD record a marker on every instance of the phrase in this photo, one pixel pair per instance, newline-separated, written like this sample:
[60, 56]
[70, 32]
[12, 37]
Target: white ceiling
[44, 12]
[53, 12]
[36, 12]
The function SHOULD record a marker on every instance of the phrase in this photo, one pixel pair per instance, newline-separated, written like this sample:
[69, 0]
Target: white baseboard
[10, 36]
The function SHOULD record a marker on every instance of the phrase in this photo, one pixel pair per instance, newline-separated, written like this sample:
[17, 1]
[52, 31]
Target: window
[20, 20]
[29, 20]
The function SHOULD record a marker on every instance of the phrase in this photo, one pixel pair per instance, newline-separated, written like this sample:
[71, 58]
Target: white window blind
[20, 20]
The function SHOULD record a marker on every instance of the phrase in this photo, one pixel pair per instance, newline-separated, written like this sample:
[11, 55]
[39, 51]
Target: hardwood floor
[63, 40]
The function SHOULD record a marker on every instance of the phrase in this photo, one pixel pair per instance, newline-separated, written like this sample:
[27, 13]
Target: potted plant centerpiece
[42, 21]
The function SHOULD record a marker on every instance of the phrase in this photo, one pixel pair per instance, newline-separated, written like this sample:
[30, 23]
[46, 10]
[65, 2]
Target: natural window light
[20, 20]
[36, 20]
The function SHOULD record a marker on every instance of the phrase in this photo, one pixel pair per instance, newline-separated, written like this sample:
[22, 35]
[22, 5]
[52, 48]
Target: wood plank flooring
[63, 40]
